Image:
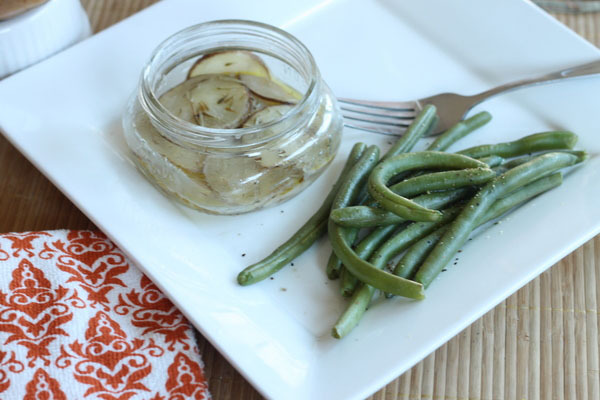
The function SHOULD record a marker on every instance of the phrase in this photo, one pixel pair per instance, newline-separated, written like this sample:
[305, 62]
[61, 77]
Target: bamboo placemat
[540, 343]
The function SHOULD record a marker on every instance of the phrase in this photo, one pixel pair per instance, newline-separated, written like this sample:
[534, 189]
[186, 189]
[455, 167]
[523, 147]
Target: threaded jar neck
[172, 58]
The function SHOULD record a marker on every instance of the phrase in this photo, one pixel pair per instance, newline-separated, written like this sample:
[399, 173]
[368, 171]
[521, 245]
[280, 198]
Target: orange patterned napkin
[78, 321]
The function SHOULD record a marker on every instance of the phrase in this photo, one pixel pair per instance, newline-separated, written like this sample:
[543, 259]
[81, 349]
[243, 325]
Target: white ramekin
[38, 33]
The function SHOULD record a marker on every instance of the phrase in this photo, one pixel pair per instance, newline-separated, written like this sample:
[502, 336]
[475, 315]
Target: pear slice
[232, 62]
[267, 115]
[270, 90]
[271, 156]
[219, 101]
[243, 181]
[188, 159]
[262, 117]
[212, 101]
[177, 103]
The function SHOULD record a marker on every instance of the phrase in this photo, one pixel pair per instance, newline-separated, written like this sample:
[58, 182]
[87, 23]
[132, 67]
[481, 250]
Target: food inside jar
[235, 90]
[225, 90]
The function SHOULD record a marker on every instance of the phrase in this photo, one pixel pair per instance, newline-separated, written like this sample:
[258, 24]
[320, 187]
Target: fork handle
[592, 68]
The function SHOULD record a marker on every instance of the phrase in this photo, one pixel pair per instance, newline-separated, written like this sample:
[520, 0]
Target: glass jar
[231, 171]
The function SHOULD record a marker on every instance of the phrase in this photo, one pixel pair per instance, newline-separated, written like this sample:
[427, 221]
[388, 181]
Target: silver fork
[392, 118]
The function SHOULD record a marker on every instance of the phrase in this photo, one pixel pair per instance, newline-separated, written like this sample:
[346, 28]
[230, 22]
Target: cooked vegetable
[553, 140]
[365, 216]
[459, 131]
[418, 252]
[363, 250]
[348, 192]
[444, 180]
[390, 167]
[379, 235]
[423, 123]
[475, 210]
[380, 194]
[373, 271]
[305, 236]
[492, 161]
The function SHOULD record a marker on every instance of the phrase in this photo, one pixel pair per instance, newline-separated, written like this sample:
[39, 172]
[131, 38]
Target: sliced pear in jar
[270, 90]
[242, 180]
[276, 153]
[180, 156]
[177, 103]
[262, 117]
[233, 178]
[219, 101]
[267, 115]
[232, 62]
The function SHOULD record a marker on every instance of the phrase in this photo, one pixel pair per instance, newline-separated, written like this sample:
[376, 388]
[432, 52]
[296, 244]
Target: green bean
[403, 162]
[334, 265]
[455, 133]
[459, 230]
[375, 239]
[400, 241]
[348, 192]
[374, 276]
[521, 195]
[366, 272]
[444, 180]
[365, 216]
[354, 311]
[492, 161]
[521, 160]
[553, 140]
[348, 282]
[416, 254]
[459, 131]
[356, 178]
[421, 124]
[364, 249]
[305, 236]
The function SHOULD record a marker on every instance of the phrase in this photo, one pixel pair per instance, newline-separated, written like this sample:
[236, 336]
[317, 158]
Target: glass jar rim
[199, 135]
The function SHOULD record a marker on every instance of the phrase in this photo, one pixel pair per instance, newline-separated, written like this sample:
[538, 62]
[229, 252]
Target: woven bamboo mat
[540, 343]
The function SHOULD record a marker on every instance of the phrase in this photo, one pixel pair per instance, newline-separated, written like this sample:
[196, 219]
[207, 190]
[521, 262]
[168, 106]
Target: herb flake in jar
[230, 129]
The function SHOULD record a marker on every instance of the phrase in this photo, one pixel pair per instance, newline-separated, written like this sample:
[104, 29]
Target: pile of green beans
[419, 207]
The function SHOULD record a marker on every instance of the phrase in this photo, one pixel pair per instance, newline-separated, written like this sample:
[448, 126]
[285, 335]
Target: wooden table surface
[542, 342]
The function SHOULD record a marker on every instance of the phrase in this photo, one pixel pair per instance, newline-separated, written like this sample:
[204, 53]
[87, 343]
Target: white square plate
[64, 115]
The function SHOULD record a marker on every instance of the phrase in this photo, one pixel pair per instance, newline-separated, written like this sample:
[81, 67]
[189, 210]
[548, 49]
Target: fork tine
[381, 117]
[379, 121]
[378, 116]
[383, 113]
[380, 129]
[383, 105]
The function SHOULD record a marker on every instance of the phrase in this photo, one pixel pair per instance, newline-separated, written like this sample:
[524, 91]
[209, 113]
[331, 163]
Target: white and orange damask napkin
[79, 321]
